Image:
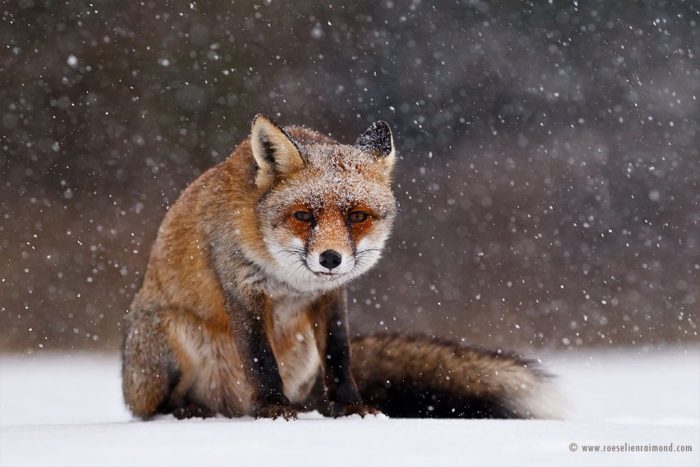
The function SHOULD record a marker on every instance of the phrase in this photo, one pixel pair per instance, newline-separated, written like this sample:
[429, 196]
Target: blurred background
[548, 180]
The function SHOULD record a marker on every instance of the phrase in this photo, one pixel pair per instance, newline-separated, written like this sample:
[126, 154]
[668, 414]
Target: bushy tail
[411, 377]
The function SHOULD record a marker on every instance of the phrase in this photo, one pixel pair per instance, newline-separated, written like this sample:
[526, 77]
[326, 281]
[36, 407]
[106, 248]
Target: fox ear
[274, 151]
[379, 140]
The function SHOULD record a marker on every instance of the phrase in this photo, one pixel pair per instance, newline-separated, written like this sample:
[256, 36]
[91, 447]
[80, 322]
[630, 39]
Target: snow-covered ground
[67, 410]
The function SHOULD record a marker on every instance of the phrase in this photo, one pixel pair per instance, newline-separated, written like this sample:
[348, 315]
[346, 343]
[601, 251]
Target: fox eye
[357, 216]
[303, 216]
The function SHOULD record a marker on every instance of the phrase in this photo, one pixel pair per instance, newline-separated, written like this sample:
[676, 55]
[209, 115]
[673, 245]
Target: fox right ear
[275, 153]
[378, 140]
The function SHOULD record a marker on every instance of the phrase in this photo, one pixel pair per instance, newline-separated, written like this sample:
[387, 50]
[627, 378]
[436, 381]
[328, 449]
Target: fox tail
[422, 377]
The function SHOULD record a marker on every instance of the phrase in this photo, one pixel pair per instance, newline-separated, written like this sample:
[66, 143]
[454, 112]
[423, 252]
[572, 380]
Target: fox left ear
[276, 154]
[378, 140]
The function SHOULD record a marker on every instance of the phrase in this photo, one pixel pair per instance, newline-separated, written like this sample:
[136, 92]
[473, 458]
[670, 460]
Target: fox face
[326, 209]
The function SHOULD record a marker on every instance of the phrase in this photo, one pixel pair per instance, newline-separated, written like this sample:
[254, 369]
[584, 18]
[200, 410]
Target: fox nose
[330, 259]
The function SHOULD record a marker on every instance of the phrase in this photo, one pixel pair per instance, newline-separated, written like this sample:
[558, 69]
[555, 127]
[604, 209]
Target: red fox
[243, 308]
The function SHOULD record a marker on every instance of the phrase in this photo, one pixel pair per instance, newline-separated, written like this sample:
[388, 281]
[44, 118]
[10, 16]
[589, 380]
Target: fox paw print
[275, 411]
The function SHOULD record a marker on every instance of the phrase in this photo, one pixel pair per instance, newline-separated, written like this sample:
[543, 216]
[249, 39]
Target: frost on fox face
[326, 209]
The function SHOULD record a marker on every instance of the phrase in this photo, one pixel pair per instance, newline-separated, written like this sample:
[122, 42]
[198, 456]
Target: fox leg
[250, 326]
[149, 369]
[342, 395]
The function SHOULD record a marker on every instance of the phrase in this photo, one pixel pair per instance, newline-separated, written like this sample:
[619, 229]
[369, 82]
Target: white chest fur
[295, 347]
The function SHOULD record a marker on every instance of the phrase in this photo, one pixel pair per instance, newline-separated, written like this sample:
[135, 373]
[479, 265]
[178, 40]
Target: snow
[72, 61]
[67, 410]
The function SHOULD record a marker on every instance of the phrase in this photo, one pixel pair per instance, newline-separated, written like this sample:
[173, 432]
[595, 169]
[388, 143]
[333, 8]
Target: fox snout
[330, 259]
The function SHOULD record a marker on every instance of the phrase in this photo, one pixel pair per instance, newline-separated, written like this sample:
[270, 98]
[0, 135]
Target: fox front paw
[192, 410]
[275, 411]
[352, 408]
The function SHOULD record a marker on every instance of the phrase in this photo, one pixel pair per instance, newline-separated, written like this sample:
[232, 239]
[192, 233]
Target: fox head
[326, 209]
